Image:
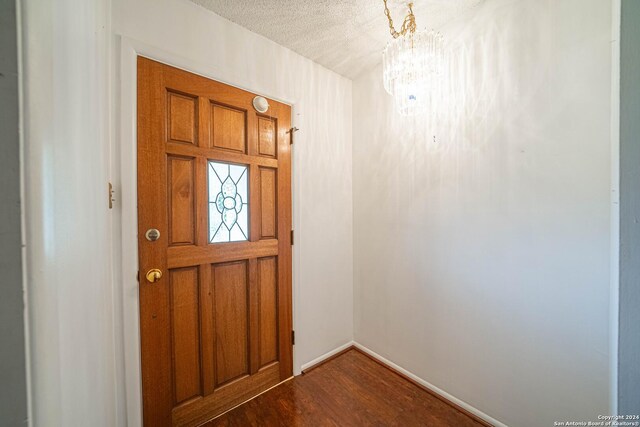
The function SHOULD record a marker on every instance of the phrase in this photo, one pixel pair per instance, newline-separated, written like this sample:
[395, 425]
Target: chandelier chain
[408, 25]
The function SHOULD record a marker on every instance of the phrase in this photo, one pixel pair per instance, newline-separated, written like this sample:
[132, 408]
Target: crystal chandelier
[412, 65]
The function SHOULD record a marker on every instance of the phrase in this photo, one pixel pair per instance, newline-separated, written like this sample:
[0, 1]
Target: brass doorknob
[153, 275]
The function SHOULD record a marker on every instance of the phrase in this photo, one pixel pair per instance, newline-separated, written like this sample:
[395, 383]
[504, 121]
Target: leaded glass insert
[228, 203]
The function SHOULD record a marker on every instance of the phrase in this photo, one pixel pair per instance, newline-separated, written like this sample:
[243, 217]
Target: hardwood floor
[349, 390]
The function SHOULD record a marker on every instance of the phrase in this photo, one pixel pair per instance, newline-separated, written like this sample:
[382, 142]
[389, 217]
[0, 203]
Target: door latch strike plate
[293, 337]
[111, 199]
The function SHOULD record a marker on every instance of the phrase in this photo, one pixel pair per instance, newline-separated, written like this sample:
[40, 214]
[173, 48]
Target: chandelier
[412, 65]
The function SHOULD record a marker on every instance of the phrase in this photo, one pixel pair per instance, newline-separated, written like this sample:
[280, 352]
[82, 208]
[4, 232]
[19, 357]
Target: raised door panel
[228, 128]
[180, 177]
[185, 339]
[268, 203]
[267, 137]
[182, 122]
[268, 306]
[231, 321]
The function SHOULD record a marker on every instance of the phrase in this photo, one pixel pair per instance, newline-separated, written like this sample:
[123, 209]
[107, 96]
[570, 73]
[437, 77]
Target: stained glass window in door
[228, 202]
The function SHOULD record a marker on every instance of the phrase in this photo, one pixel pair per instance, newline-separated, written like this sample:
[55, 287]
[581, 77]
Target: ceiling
[344, 36]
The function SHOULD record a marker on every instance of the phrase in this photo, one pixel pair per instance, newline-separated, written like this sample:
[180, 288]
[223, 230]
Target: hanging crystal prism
[412, 68]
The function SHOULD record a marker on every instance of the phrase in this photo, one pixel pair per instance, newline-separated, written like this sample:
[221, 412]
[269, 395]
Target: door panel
[216, 327]
[231, 318]
[181, 186]
[182, 118]
[228, 128]
[185, 337]
[268, 300]
[267, 137]
[269, 207]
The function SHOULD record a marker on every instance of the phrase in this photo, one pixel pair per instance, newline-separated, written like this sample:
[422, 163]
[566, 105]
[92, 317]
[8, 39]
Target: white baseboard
[327, 355]
[431, 387]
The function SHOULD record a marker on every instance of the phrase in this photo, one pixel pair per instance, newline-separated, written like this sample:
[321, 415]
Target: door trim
[123, 170]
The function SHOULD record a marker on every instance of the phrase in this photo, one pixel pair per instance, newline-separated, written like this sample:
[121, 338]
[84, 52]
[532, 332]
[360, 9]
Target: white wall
[482, 259]
[74, 145]
[67, 219]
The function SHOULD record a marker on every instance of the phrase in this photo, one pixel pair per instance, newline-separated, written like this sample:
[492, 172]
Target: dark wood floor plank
[349, 390]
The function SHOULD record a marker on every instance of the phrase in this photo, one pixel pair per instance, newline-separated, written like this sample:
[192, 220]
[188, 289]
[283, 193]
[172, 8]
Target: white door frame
[123, 171]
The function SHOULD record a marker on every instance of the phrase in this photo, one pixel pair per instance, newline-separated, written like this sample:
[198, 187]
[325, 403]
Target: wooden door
[214, 178]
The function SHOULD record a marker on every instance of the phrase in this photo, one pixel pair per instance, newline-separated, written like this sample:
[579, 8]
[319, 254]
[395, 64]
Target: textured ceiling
[344, 36]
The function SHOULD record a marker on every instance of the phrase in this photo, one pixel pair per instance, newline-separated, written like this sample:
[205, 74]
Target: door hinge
[111, 199]
[291, 131]
[293, 337]
[291, 237]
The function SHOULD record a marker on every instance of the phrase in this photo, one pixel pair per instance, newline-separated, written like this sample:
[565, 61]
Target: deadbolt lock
[153, 275]
[152, 234]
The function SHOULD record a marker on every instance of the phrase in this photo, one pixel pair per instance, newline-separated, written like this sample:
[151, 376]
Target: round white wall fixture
[261, 104]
